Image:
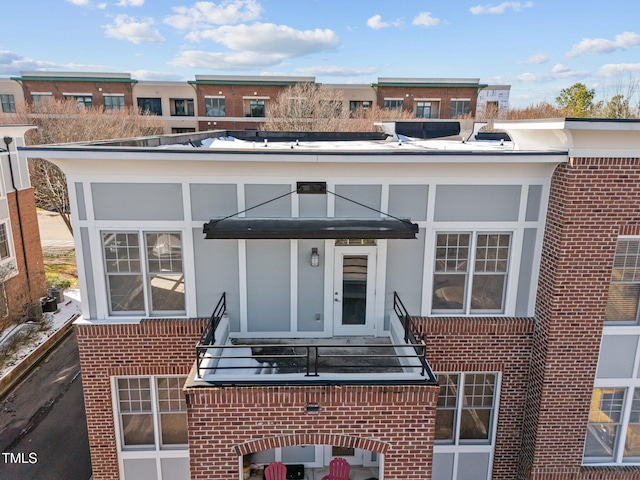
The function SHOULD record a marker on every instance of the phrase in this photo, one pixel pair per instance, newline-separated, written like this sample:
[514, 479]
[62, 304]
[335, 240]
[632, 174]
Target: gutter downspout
[7, 142]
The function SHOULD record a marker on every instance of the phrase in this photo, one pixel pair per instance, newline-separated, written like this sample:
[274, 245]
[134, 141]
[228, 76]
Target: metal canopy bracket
[309, 228]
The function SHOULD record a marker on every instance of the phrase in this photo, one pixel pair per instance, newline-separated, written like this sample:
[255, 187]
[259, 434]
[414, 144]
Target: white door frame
[369, 327]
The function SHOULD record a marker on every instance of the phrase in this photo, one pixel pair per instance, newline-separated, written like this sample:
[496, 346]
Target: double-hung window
[465, 427]
[144, 272]
[151, 421]
[257, 108]
[470, 272]
[5, 249]
[624, 289]
[8, 103]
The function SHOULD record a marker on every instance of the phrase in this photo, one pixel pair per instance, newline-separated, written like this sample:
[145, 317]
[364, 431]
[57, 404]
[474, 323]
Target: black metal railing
[418, 344]
[312, 359]
[208, 336]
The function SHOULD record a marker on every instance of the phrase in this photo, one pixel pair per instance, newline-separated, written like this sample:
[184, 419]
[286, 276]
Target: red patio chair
[275, 471]
[339, 469]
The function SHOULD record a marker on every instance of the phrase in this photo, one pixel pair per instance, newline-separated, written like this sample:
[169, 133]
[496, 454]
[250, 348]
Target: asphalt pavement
[43, 430]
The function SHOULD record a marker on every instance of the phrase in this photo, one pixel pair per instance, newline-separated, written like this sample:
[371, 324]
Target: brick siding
[397, 421]
[152, 347]
[591, 203]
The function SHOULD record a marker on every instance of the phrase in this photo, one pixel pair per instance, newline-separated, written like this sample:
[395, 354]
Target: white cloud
[270, 39]
[101, 6]
[12, 63]
[376, 23]
[558, 72]
[425, 19]
[128, 28]
[335, 71]
[596, 46]
[618, 69]
[537, 59]
[80, 3]
[130, 3]
[206, 14]
[225, 61]
[500, 9]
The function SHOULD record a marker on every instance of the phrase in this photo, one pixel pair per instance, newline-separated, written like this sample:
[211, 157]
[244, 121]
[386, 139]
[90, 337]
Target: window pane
[488, 292]
[622, 302]
[137, 429]
[632, 439]
[448, 291]
[475, 424]
[167, 292]
[125, 293]
[444, 424]
[174, 428]
[604, 417]
[600, 442]
[4, 242]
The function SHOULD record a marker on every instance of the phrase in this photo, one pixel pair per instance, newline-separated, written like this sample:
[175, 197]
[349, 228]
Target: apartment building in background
[235, 102]
[426, 309]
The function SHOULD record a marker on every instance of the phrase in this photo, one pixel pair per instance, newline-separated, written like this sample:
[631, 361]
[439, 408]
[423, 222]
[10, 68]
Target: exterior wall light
[315, 257]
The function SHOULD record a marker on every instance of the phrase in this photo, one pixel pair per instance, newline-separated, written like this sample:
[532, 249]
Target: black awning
[299, 228]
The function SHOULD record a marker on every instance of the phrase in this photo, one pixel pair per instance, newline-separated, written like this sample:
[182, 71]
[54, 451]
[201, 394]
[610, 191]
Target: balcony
[399, 358]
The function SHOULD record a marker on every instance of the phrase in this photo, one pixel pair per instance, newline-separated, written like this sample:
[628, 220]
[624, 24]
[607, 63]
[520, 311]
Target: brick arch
[350, 441]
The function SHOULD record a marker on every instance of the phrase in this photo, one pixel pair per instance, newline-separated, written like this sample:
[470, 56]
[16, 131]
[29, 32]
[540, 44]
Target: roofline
[426, 84]
[249, 80]
[55, 78]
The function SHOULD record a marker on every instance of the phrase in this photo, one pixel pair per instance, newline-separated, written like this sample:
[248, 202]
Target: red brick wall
[97, 89]
[488, 345]
[591, 203]
[20, 290]
[397, 421]
[233, 94]
[445, 94]
[152, 347]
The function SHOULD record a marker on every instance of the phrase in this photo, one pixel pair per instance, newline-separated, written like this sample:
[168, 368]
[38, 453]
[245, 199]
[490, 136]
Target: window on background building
[427, 109]
[144, 272]
[214, 106]
[182, 130]
[393, 103]
[355, 105]
[84, 101]
[470, 272]
[40, 97]
[146, 402]
[8, 103]
[256, 108]
[181, 107]
[624, 289]
[113, 102]
[466, 408]
[460, 108]
[150, 105]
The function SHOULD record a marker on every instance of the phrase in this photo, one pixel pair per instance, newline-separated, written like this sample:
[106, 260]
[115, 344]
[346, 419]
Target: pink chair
[275, 471]
[339, 469]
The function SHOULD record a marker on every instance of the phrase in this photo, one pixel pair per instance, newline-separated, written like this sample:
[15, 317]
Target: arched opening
[308, 457]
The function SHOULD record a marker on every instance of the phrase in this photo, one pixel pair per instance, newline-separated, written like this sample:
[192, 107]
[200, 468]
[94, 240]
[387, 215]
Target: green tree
[576, 101]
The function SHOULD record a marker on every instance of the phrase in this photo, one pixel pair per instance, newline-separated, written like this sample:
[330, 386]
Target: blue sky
[538, 47]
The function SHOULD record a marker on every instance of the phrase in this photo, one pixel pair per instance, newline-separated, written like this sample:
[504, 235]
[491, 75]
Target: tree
[61, 121]
[311, 107]
[539, 110]
[576, 100]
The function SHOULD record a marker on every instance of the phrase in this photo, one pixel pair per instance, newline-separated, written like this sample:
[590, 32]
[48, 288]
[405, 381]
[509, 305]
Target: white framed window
[470, 272]
[113, 101]
[427, 108]
[144, 272]
[181, 107]
[41, 96]
[466, 419]
[624, 289]
[214, 106]
[150, 414]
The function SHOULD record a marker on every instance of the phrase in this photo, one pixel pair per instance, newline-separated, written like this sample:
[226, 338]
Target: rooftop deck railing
[311, 359]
